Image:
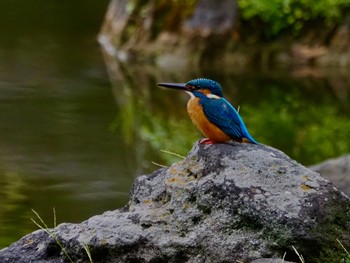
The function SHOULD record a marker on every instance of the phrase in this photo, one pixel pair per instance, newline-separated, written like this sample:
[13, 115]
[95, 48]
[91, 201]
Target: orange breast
[208, 129]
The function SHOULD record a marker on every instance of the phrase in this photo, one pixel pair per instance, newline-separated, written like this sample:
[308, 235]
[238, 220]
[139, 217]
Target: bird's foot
[207, 141]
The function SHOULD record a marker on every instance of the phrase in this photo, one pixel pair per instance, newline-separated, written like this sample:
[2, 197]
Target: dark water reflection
[56, 107]
[72, 139]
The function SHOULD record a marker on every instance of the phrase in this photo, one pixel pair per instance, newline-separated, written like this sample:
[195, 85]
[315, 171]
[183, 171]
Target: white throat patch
[213, 96]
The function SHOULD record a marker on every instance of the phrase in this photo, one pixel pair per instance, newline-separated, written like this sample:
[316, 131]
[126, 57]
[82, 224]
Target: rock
[212, 17]
[270, 260]
[337, 171]
[223, 203]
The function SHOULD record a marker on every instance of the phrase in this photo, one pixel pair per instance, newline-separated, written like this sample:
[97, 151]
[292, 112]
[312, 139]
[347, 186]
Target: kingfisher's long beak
[179, 86]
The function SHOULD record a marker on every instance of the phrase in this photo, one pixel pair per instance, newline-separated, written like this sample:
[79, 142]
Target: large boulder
[223, 203]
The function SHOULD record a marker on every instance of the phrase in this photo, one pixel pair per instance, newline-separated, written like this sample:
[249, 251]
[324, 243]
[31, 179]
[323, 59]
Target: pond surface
[76, 129]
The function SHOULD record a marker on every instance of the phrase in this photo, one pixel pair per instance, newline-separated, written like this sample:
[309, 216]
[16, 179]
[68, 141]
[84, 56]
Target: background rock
[208, 33]
[223, 203]
[337, 171]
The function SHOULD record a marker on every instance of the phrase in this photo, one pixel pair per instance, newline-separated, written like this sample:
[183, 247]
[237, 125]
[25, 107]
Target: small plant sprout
[53, 234]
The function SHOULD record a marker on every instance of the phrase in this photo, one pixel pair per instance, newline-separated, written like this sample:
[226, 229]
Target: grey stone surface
[337, 171]
[270, 260]
[223, 203]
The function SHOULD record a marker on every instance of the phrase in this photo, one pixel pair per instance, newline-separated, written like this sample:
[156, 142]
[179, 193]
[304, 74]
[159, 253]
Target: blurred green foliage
[278, 15]
[170, 134]
[307, 132]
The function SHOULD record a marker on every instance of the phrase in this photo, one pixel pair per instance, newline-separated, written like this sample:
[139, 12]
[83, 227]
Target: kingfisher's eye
[190, 87]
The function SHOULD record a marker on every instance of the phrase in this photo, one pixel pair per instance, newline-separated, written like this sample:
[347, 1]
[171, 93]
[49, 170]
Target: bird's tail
[247, 137]
[249, 140]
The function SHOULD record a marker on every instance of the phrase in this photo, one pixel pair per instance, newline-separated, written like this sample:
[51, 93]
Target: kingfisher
[211, 113]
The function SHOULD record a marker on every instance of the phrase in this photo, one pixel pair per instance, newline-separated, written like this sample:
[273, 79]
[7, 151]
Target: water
[76, 129]
[56, 106]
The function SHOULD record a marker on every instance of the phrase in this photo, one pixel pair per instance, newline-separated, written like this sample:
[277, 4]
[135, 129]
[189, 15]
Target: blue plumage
[224, 115]
[212, 114]
[212, 85]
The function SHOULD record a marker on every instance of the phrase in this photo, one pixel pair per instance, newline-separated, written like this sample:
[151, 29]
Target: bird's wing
[223, 114]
